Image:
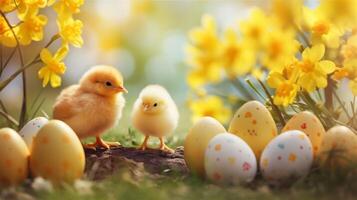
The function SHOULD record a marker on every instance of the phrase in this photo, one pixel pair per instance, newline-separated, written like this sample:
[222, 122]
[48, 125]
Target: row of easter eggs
[49, 149]
[232, 157]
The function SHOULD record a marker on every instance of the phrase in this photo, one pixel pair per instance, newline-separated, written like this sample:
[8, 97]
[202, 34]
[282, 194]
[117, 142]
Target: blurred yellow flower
[237, 56]
[6, 36]
[349, 50]
[255, 27]
[65, 8]
[349, 71]
[341, 12]
[7, 5]
[279, 49]
[287, 13]
[54, 67]
[211, 106]
[322, 30]
[70, 30]
[203, 54]
[313, 70]
[285, 88]
[31, 28]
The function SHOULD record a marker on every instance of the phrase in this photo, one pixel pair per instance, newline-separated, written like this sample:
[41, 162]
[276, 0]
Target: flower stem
[275, 108]
[255, 89]
[329, 94]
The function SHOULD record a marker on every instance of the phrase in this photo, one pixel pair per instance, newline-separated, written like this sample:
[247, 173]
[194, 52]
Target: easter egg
[14, 156]
[30, 130]
[255, 125]
[229, 160]
[286, 157]
[338, 149]
[57, 153]
[308, 123]
[197, 140]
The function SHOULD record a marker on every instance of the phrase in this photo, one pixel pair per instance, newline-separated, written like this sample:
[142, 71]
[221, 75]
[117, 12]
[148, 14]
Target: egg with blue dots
[254, 124]
[287, 157]
[31, 128]
[229, 160]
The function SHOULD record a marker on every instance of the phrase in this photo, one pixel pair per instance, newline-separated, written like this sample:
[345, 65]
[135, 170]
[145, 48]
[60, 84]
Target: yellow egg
[308, 123]
[339, 148]
[197, 140]
[57, 153]
[14, 156]
[255, 125]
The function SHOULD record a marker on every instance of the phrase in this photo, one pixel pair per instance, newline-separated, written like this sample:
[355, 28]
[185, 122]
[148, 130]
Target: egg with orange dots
[14, 156]
[254, 124]
[57, 153]
[308, 123]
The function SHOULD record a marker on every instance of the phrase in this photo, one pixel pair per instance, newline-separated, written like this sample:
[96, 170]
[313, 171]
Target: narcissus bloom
[211, 106]
[349, 71]
[313, 70]
[70, 30]
[31, 28]
[54, 67]
[237, 56]
[254, 28]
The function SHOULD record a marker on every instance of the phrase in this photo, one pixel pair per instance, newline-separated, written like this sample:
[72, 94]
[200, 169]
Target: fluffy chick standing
[155, 114]
[94, 105]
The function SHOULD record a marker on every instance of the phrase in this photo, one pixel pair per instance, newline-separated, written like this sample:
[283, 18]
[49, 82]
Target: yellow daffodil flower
[341, 12]
[31, 28]
[287, 13]
[280, 48]
[70, 30]
[285, 89]
[349, 71]
[322, 30]
[7, 5]
[237, 56]
[65, 8]
[211, 106]
[6, 36]
[54, 67]
[349, 50]
[203, 54]
[255, 27]
[313, 70]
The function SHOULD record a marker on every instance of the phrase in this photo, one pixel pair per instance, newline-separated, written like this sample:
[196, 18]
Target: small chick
[94, 105]
[155, 114]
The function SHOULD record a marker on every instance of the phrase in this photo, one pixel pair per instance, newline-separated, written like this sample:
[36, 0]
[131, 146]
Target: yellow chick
[94, 105]
[155, 114]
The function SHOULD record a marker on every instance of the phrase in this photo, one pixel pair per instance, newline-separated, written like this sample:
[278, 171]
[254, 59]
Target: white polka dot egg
[286, 157]
[30, 130]
[229, 160]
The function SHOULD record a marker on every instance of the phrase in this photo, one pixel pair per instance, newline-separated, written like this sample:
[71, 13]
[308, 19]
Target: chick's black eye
[155, 104]
[108, 83]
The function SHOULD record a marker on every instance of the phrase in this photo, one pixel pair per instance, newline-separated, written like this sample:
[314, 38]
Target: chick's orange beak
[121, 89]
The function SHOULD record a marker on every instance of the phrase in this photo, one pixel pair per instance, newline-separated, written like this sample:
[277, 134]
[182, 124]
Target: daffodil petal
[316, 52]
[275, 79]
[62, 52]
[55, 80]
[327, 66]
[46, 56]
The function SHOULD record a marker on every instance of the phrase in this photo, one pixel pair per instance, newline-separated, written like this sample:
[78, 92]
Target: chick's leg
[163, 146]
[145, 143]
[101, 143]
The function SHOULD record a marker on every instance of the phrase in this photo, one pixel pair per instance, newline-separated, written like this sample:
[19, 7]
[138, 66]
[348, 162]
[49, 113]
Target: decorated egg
[14, 156]
[57, 153]
[338, 149]
[229, 160]
[30, 130]
[308, 123]
[255, 125]
[286, 157]
[197, 140]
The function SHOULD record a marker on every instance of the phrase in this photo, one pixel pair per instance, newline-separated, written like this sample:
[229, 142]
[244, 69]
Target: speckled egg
[14, 156]
[308, 123]
[197, 140]
[338, 149]
[229, 160]
[57, 153]
[255, 125]
[30, 130]
[286, 157]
